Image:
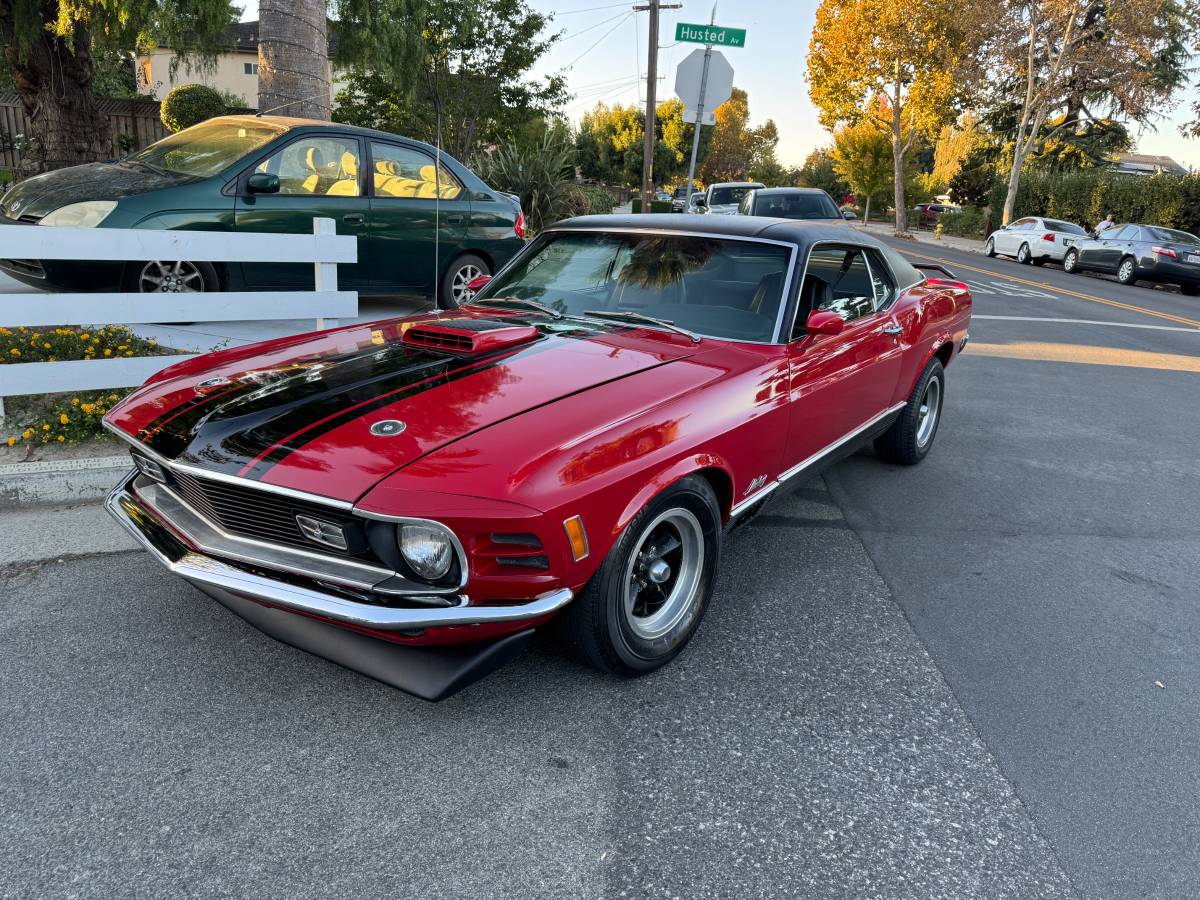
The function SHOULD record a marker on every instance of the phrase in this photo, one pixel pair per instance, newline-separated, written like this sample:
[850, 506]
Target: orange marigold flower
[63, 420]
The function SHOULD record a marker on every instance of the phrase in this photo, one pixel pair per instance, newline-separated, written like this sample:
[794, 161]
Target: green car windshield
[208, 148]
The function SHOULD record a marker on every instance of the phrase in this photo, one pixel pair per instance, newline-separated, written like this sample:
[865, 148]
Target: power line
[571, 37]
[598, 42]
[571, 12]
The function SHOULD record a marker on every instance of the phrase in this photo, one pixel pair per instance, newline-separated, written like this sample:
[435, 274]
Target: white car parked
[722, 199]
[1034, 240]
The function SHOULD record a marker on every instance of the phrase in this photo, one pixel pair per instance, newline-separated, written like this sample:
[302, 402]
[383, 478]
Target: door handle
[893, 329]
[353, 218]
[456, 219]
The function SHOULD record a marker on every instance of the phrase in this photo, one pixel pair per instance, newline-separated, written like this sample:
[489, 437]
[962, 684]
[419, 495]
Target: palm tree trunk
[293, 59]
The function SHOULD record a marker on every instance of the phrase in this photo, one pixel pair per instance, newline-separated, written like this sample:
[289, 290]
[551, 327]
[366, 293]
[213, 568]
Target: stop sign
[690, 73]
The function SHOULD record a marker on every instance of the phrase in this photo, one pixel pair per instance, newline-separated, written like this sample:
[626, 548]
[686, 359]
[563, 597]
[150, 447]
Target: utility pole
[654, 7]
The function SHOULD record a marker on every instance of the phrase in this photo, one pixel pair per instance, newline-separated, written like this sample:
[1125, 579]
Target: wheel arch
[710, 467]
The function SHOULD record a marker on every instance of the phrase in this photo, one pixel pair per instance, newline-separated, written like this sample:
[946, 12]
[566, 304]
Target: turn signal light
[1164, 251]
[519, 225]
[577, 536]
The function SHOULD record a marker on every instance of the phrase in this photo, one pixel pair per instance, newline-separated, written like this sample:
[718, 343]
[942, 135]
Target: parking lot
[976, 677]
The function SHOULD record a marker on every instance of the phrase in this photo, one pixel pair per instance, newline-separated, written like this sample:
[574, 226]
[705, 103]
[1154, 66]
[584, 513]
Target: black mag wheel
[647, 598]
[910, 437]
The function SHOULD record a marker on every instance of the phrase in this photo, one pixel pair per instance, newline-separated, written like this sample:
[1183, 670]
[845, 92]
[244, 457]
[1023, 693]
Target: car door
[838, 383]
[419, 217]
[1013, 236]
[320, 176]
[1113, 243]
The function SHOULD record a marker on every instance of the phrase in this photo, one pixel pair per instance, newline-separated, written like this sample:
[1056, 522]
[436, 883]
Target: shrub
[190, 104]
[971, 222]
[64, 419]
[535, 173]
[1088, 196]
[600, 200]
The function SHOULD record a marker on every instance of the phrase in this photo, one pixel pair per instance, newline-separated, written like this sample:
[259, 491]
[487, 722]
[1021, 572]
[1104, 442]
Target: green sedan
[422, 228]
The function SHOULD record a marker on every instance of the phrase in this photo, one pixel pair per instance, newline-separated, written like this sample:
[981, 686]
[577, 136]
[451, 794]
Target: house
[1145, 164]
[234, 71]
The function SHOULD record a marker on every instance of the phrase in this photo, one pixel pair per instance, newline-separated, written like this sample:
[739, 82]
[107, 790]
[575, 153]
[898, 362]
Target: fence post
[326, 273]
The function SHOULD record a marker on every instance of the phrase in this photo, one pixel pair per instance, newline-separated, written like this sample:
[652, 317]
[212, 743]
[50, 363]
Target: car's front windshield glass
[208, 148]
[723, 196]
[719, 287]
[1174, 236]
[796, 206]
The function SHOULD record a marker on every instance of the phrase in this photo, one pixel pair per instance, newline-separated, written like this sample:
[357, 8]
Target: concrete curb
[60, 481]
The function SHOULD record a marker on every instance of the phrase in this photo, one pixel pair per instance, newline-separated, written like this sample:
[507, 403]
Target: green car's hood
[42, 194]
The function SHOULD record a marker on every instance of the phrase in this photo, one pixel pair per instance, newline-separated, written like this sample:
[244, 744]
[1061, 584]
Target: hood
[42, 194]
[334, 415]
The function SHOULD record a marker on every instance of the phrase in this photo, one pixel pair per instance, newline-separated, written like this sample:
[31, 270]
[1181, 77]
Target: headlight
[428, 549]
[88, 214]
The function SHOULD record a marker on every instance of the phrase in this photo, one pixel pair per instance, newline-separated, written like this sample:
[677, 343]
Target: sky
[603, 53]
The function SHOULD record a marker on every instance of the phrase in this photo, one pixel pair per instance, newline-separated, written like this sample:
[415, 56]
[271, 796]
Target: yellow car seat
[347, 183]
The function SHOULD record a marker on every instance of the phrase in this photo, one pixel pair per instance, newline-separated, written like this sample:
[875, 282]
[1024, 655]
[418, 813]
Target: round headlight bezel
[428, 550]
[85, 214]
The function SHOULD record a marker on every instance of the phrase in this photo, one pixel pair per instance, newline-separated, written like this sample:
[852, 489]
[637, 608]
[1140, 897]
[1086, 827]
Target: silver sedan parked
[1034, 240]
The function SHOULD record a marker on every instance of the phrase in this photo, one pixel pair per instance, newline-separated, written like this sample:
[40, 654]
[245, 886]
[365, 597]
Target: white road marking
[1087, 322]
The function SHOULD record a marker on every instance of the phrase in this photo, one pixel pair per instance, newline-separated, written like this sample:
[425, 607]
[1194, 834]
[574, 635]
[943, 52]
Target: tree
[915, 54]
[190, 104]
[1062, 55]
[818, 171]
[862, 155]
[293, 58]
[467, 78]
[609, 145]
[973, 182]
[954, 144]
[736, 148]
[48, 47]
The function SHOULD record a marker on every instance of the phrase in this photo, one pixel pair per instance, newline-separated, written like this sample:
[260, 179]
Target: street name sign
[713, 35]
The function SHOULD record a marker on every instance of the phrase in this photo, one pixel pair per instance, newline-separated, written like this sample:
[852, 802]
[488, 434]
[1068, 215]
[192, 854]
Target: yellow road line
[1038, 284]
[1096, 356]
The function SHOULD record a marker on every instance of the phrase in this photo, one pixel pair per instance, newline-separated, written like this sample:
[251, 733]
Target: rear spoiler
[936, 267]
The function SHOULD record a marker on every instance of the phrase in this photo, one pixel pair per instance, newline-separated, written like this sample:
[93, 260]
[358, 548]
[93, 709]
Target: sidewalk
[884, 229]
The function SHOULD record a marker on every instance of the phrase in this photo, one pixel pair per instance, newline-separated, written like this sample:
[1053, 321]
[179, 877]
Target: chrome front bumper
[212, 575]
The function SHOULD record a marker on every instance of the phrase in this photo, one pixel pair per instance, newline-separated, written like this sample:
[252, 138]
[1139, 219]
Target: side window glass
[410, 174]
[881, 282]
[317, 164]
[1128, 233]
[837, 279]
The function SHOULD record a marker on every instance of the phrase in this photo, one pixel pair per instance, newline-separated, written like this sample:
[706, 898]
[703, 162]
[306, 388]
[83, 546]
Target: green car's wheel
[462, 272]
[170, 277]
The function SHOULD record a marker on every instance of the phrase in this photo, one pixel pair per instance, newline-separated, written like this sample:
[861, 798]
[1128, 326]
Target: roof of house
[1145, 162]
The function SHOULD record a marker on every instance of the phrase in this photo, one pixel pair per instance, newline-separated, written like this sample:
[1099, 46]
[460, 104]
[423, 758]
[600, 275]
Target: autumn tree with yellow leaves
[918, 55]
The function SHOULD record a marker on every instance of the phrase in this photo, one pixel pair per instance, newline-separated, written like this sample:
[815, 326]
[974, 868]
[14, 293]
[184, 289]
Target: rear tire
[462, 271]
[170, 277]
[1127, 271]
[647, 598]
[1189, 290]
[911, 436]
[1023, 255]
[1071, 262]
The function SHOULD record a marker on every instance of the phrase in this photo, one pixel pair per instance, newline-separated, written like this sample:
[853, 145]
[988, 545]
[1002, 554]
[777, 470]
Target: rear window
[719, 287]
[796, 206]
[1063, 227]
[1173, 236]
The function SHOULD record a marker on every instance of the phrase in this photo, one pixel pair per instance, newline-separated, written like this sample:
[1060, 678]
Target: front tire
[1189, 290]
[1071, 262]
[1127, 271]
[989, 248]
[911, 436]
[170, 277]
[462, 271]
[647, 599]
[1023, 255]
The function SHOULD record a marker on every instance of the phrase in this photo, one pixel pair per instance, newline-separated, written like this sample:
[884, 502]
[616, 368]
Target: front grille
[263, 516]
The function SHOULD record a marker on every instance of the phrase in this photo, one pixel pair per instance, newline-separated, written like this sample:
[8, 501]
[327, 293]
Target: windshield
[718, 287]
[1063, 227]
[1175, 237]
[724, 196]
[208, 148]
[796, 206]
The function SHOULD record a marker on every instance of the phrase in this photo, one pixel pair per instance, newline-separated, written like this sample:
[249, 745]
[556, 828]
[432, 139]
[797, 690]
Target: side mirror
[824, 321]
[849, 214]
[476, 284]
[701, 202]
[263, 183]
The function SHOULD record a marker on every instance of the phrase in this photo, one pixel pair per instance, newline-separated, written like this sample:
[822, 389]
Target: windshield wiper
[518, 301]
[158, 170]
[638, 317]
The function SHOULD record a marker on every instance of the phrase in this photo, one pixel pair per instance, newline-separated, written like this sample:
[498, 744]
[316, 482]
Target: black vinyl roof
[795, 231]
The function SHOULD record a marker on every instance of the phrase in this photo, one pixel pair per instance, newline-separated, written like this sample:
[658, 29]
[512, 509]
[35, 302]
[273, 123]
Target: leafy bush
[600, 200]
[65, 419]
[971, 222]
[535, 173]
[1087, 196]
[190, 104]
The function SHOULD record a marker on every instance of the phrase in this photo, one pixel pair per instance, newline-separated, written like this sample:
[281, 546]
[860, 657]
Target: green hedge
[656, 206]
[971, 223]
[600, 201]
[1090, 195]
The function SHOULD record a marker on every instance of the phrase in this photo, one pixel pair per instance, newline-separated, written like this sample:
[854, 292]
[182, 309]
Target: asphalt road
[927, 682]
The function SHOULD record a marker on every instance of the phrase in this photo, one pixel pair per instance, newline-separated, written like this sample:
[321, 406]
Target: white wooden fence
[324, 248]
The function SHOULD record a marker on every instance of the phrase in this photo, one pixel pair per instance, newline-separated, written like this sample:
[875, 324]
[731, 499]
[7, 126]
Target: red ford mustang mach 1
[412, 498]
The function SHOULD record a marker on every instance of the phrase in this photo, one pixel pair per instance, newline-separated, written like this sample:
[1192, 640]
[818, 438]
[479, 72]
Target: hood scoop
[469, 335]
